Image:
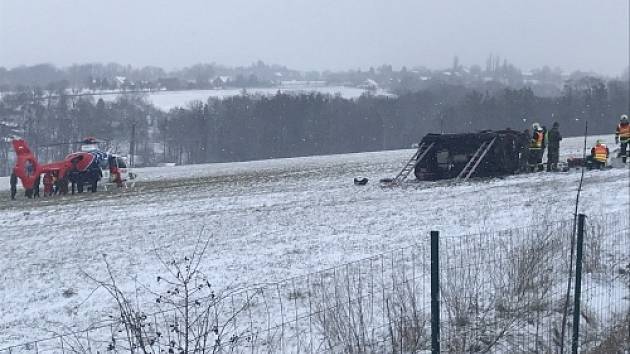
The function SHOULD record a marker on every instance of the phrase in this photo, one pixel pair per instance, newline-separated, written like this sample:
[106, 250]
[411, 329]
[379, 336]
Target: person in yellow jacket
[622, 137]
[599, 155]
[536, 148]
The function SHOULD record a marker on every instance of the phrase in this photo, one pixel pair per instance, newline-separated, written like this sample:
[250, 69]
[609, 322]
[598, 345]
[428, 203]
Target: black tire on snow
[360, 181]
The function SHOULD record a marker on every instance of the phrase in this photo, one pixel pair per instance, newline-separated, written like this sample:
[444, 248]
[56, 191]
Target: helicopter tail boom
[27, 169]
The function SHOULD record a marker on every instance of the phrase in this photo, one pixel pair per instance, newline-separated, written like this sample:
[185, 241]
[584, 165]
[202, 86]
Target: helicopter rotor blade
[93, 141]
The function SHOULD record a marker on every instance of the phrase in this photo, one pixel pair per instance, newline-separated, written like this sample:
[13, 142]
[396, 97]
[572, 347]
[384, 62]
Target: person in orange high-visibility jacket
[622, 136]
[538, 139]
[536, 148]
[599, 154]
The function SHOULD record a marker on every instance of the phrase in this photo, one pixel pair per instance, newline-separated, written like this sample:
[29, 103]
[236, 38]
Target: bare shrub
[408, 325]
[616, 339]
[340, 321]
[502, 302]
[594, 256]
[345, 317]
[192, 315]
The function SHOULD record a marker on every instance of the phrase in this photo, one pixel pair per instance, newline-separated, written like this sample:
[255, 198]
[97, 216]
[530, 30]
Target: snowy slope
[393, 159]
[268, 220]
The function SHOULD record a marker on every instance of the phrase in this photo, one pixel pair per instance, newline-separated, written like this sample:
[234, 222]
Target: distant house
[120, 80]
[529, 78]
[123, 83]
[369, 84]
[220, 81]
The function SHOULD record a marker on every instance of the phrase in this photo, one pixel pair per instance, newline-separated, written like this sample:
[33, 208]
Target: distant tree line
[113, 76]
[249, 127]
[54, 124]
[495, 76]
[246, 127]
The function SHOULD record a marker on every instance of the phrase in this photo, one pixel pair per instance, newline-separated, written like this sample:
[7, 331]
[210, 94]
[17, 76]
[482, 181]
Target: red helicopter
[78, 168]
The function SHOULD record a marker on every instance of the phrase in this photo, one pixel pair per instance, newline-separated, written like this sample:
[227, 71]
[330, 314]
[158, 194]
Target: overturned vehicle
[462, 156]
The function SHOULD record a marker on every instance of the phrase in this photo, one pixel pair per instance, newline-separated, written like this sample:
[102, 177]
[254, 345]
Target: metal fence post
[578, 284]
[435, 292]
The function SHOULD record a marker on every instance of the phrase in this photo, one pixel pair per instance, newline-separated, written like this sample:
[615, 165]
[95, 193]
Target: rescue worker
[553, 150]
[13, 182]
[48, 184]
[36, 187]
[599, 155]
[524, 151]
[75, 177]
[114, 172]
[55, 181]
[63, 185]
[622, 137]
[536, 148]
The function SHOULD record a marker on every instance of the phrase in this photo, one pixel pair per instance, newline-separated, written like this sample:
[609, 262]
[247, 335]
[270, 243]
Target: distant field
[165, 100]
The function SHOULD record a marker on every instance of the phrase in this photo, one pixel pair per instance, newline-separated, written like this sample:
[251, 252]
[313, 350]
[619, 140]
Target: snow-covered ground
[268, 220]
[165, 100]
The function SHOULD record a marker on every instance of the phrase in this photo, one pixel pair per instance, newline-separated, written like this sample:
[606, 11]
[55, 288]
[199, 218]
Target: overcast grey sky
[318, 34]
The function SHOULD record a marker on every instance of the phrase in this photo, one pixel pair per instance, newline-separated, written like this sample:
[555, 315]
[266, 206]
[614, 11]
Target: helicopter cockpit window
[103, 164]
[120, 162]
[89, 147]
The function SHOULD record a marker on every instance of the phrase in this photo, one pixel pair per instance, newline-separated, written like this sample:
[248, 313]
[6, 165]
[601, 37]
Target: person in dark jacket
[553, 147]
[13, 182]
[36, 187]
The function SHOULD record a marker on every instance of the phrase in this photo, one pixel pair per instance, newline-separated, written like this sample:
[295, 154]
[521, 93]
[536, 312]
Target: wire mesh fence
[501, 291]
[605, 309]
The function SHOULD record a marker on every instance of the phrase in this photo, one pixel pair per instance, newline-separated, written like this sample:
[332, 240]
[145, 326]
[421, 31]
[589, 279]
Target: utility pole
[132, 145]
[435, 292]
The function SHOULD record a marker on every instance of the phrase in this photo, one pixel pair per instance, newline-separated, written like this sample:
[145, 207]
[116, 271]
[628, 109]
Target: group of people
[600, 152]
[542, 139]
[53, 185]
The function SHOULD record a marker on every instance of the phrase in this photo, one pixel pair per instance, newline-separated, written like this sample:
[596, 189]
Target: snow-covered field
[268, 220]
[165, 100]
